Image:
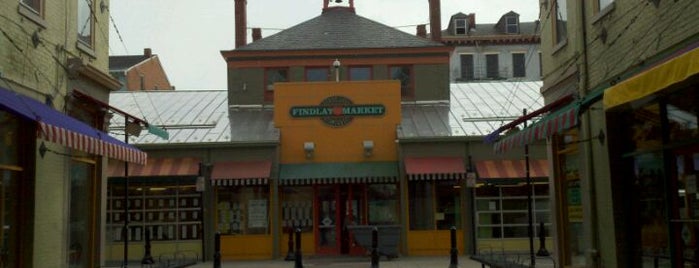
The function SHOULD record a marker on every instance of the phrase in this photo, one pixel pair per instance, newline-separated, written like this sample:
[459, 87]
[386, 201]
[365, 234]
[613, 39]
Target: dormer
[509, 23]
[461, 24]
[335, 4]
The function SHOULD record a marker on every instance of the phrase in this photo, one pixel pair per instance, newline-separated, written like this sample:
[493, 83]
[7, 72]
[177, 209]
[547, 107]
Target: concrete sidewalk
[401, 262]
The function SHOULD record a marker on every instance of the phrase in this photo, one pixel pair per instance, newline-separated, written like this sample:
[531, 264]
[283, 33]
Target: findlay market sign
[337, 111]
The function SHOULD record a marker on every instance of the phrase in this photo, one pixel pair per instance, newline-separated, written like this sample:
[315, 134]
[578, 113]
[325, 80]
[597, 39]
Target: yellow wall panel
[246, 247]
[433, 242]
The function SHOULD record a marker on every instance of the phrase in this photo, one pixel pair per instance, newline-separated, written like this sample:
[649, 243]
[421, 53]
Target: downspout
[592, 252]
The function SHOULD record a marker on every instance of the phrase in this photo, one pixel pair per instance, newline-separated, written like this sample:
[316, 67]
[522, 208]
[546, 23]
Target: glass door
[686, 214]
[327, 219]
[338, 206]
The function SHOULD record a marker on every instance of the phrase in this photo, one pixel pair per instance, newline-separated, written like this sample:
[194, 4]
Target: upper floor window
[404, 74]
[359, 73]
[560, 30]
[602, 4]
[273, 75]
[518, 65]
[541, 64]
[317, 74]
[34, 5]
[466, 66]
[492, 66]
[85, 22]
[512, 26]
[460, 26]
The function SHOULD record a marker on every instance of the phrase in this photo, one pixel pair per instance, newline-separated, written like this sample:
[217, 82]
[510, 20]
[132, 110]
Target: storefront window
[434, 205]
[242, 210]
[502, 211]
[297, 208]
[383, 204]
[9, 139]
[568, 183]
[82, 203]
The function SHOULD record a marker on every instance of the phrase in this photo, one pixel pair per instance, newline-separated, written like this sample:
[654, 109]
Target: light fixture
[336, 65]
[309, 147]
[368, 146]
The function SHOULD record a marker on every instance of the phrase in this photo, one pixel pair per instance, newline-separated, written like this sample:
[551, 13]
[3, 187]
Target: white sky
[188, 35]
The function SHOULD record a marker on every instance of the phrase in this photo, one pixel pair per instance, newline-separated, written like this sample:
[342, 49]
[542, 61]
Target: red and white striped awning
[435, 168]
[65, 130]
[556, 122]
[241, 173]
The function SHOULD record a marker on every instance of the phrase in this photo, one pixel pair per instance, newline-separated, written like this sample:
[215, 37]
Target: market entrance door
[337, 206]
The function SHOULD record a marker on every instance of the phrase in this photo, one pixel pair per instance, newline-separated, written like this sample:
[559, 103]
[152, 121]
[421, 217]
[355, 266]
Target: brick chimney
[241, 23]
[472, 21]
[147, 52]
[422, 31]
[435, 20]
[256, 34]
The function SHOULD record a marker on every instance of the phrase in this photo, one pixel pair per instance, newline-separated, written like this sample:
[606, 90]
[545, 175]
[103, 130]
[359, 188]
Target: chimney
[256, 34]
[241, 23]
[472, 21]
[422, 30]
[435, 20]
[147, 52]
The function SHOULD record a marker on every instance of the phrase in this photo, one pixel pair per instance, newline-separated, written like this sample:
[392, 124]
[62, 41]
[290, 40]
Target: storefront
[657, 154]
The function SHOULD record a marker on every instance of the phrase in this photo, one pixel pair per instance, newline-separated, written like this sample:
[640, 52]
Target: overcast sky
[188, 35]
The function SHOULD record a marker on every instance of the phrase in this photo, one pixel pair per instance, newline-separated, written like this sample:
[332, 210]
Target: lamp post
[530, 226]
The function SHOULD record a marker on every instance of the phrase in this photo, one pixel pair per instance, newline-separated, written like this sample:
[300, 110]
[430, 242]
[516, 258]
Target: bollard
[217, 250]
[298, 262]
[147, 258]
[290, 252]
[374, 248]
[542, 241]
[454, 262]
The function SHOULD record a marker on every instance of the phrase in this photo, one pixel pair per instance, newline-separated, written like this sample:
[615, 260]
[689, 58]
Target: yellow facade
[337, 144]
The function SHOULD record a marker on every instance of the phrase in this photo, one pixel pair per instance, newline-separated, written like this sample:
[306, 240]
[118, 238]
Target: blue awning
[60, 128]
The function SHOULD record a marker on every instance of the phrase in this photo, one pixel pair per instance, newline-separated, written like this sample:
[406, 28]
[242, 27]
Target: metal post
[290, 252]
[147, 258]
[542, 241]
[126, 200]
[530, 227]
[374, 248]
[454, 261]
[298, 262]
[217, 250]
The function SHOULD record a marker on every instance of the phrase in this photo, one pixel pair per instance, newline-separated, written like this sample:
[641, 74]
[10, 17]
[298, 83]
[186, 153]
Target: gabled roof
[338, 28]
[118, 63]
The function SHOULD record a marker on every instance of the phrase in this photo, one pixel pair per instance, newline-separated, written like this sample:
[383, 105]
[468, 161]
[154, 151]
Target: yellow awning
[653, 80]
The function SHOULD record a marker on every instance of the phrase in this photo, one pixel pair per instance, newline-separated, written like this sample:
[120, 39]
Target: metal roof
[203, 116]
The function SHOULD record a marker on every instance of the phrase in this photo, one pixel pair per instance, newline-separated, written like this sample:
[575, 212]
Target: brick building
[139, 72]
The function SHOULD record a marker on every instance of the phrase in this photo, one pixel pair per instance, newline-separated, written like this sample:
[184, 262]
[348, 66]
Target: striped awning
[241, 173]
[333, 173]
[554, 123]
[60, 128]
[187, 166]
[435, 168]
[511, 169]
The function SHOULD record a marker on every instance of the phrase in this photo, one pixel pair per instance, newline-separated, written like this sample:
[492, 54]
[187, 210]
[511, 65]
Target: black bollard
[290, 252]
[374, 248]
[217, 250]
[542, 241]
[454, 262]
[147, 258]
[298, 262]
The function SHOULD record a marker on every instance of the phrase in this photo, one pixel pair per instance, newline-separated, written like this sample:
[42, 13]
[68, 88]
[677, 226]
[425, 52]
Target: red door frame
[352, 189]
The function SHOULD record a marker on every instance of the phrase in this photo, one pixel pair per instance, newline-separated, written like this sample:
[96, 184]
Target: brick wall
[154, 77]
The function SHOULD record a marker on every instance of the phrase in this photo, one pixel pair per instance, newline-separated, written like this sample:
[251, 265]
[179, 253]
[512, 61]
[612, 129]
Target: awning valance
[653, 80]
[234, 173]
[187, 166]
[60, 128]
[560, 120]
[511, 169]
[435, 168]
[331, 173]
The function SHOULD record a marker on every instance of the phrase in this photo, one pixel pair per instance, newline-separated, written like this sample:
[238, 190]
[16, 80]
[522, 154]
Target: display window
[297, 208]
[502, 212]
[383, 204]
[242, 210]
[434, 205]
[569, 197]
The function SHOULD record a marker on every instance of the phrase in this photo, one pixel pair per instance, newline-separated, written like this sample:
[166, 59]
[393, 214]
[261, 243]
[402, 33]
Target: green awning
[331, 173]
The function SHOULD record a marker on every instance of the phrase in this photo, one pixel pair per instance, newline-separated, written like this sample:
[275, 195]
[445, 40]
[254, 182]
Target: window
[34, 5]
[492, 67]
[10, 171]
[83, 205]
[243, 210]
[518, 65]
[404, 74]
[85, 22]
[317, 74]
[434, 205]
[541, 66]
[501, 212]
[273, 75]
[561, 21]
[460, 26]
[383, 204]
[297, 208]
[512, 26]
[570, 198]
[359, 73]
[602, 4]
[466, 67]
